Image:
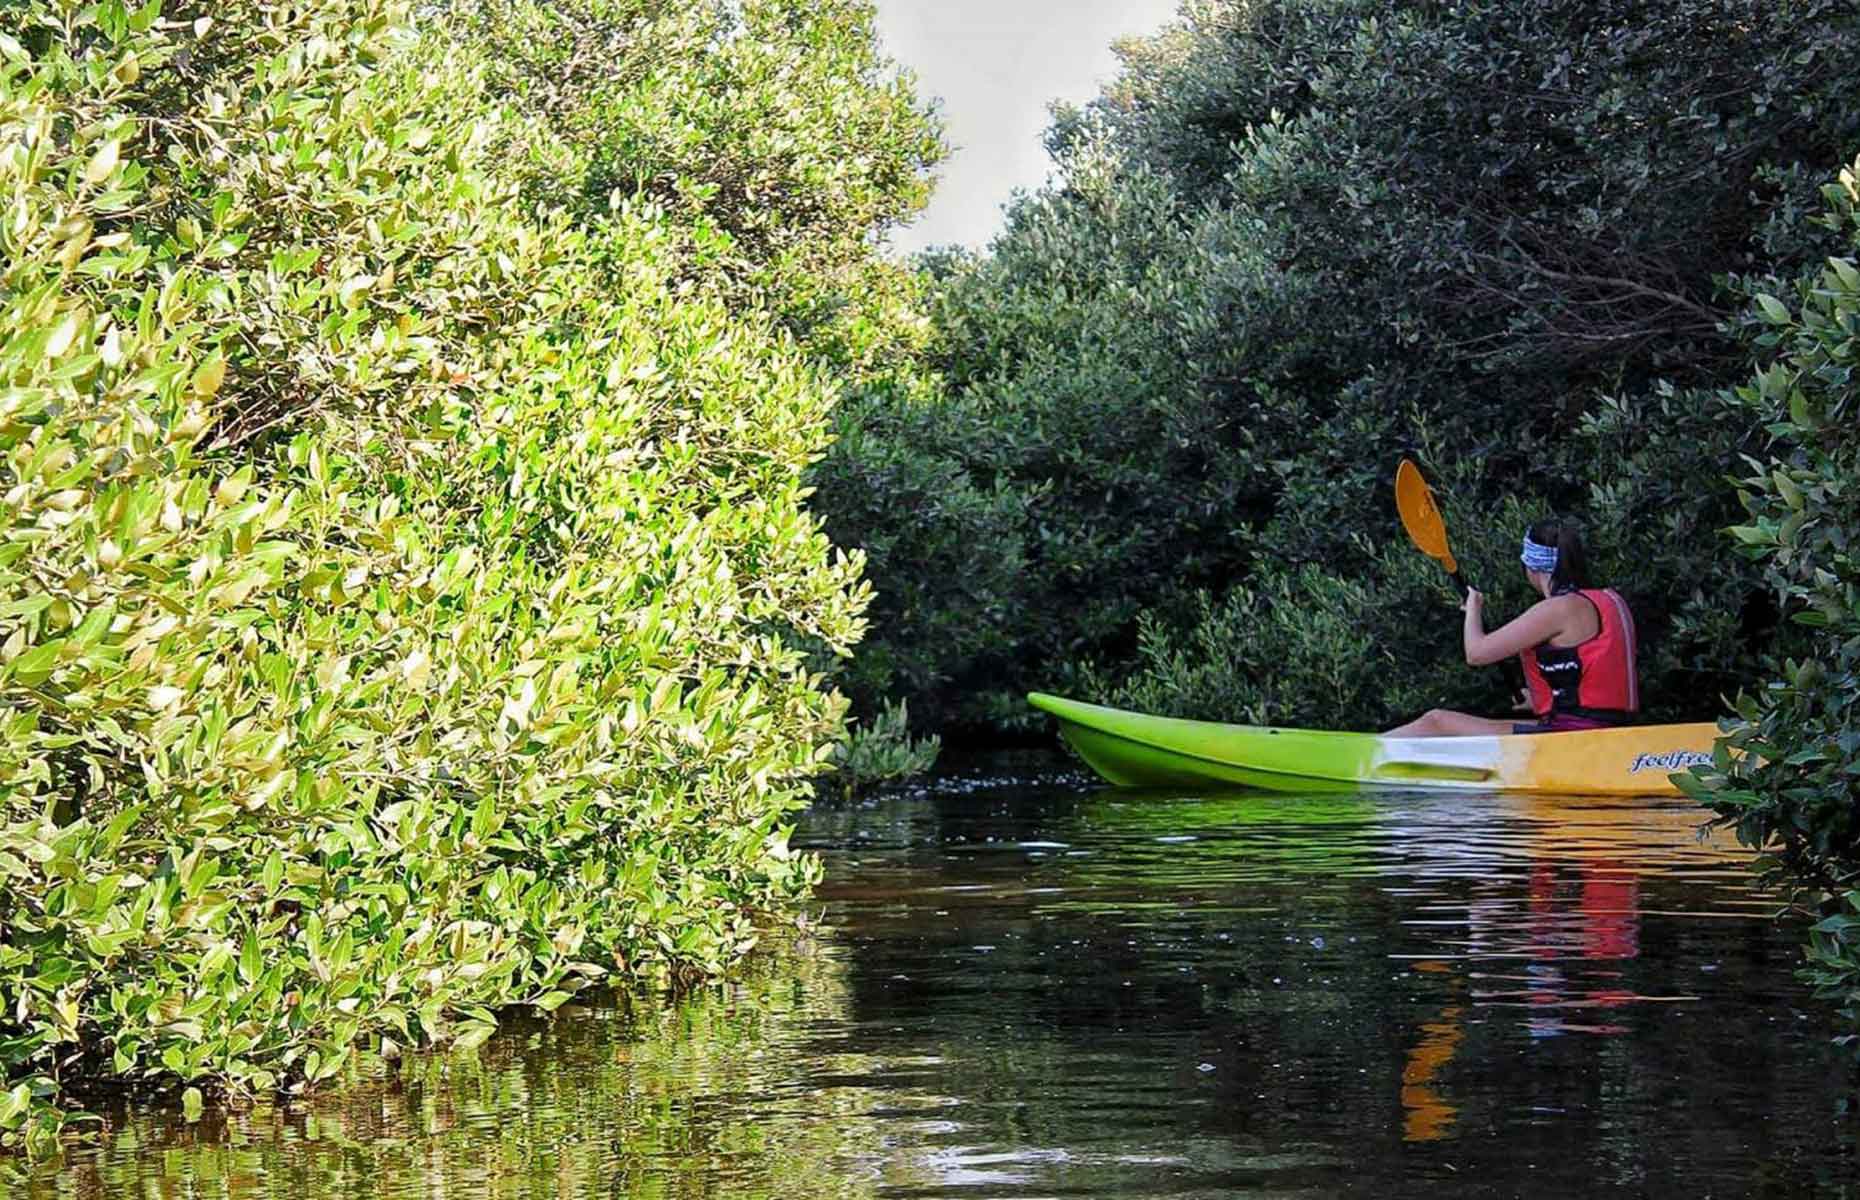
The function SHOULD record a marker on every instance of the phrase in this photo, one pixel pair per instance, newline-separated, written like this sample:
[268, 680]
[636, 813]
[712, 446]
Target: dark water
[1027, 989]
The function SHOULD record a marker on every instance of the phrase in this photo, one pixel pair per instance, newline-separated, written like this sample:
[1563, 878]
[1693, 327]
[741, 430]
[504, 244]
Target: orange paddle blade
[1420, 517]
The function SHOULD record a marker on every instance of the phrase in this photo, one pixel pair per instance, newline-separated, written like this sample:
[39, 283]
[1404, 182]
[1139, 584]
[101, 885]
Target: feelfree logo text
[1671, 760]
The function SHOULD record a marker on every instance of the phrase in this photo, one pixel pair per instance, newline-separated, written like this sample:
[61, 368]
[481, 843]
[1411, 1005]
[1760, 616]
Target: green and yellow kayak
[1134, 750]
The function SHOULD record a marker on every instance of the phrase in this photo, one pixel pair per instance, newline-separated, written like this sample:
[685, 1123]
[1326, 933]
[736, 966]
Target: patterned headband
[1537, 557]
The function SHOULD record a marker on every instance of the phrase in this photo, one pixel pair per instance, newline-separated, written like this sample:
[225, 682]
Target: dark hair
[1572, 566]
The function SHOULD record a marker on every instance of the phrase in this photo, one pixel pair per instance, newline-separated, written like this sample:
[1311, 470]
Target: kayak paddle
[1421, 518]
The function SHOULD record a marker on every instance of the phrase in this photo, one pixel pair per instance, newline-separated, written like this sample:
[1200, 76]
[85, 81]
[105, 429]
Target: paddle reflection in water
[1429, 1117]
[1580, 912]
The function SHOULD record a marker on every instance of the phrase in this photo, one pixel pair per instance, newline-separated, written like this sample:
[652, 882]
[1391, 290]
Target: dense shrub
[895, 484]
[880, 751]
[1059, 473]
[1789, 779]
[1301, 661]
[784, 141]
[1295, 240]
[406, 584]
[782, 128]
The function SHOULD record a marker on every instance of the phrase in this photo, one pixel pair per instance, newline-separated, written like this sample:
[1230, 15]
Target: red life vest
[1596, 678]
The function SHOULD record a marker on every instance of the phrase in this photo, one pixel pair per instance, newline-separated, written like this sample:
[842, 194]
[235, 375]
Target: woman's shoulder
[1571, 601]
[1566, 609]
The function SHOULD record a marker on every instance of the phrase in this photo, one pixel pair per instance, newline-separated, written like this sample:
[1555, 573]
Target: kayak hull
[1137, 750]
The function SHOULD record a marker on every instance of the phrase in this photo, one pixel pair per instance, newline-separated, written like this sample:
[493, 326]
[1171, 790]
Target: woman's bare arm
[1538, 624]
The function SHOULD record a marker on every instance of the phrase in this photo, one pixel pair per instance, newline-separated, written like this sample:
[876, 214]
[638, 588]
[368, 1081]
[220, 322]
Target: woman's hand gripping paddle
[1422, 519]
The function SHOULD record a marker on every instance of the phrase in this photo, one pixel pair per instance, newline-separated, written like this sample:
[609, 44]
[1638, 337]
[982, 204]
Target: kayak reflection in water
[1576, 644]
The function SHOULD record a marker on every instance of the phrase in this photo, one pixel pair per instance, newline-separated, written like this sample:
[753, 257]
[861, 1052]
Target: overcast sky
[996, 64]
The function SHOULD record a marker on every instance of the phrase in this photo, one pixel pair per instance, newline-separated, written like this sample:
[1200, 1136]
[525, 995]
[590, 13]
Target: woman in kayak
[1577, 645]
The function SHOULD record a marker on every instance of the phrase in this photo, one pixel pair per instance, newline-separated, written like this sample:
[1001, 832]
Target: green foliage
[1278, 651]
[953, 546]
[1833, 960]
[783, 139]
[405, 584]
[1296, 240]
[1554, 182]
[882, 751]
[1050, 474]
[1792, 782]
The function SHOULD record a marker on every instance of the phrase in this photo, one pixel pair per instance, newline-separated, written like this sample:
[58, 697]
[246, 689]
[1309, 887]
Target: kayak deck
[1137, 750]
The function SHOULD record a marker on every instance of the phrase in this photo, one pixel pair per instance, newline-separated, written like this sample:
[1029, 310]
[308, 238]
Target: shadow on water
[1023, 987]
